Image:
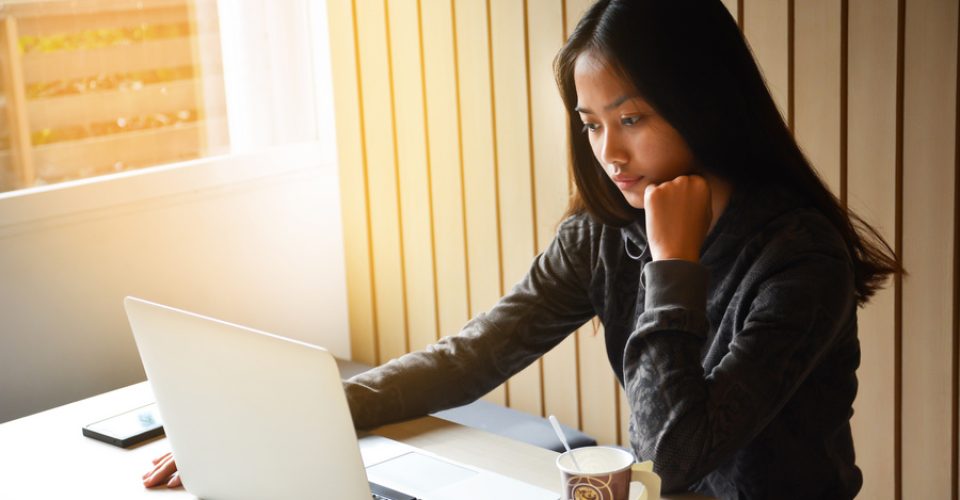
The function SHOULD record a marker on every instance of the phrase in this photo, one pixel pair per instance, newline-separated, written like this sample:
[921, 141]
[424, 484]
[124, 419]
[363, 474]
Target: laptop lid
[249, 415]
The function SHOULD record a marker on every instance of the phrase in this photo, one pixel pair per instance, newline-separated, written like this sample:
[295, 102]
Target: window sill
[96, 196]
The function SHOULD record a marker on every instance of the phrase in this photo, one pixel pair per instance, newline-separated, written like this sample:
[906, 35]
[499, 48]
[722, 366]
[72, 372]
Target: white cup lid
[595, 460]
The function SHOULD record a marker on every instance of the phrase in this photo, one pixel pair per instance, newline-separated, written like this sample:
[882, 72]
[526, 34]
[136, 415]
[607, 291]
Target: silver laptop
[253, 415]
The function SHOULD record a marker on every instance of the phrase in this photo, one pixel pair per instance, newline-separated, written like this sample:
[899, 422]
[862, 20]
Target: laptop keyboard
[380, 492]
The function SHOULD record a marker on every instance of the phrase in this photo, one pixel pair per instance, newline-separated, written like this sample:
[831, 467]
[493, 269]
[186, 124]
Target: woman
[724, 272]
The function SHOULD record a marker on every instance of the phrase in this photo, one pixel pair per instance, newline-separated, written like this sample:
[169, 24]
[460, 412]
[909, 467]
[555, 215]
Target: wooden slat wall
[816, 84]
[413, 170]
[872, 192]
[479, 160]
[514, 176]
[452, 144]
[929, 149]
[444, 153]
[385, 214]
[354, 193]
[548, 123]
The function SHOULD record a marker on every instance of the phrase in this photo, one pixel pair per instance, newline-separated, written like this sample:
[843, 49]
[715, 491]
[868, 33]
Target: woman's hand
[678, 214]
[164, 471]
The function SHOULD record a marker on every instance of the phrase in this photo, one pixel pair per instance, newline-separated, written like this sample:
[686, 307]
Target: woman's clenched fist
[678, 215]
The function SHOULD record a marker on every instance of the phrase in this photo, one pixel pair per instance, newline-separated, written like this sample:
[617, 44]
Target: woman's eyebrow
[608, 107]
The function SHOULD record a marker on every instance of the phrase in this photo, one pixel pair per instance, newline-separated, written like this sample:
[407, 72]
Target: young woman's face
[635, 145]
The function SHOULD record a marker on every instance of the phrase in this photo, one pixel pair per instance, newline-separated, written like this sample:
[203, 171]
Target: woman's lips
[624, 182]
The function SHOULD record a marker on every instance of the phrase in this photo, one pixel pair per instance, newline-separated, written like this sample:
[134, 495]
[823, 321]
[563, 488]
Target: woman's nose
[612, 150]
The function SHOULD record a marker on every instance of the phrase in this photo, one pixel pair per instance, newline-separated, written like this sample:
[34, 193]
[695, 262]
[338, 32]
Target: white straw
[563, 439]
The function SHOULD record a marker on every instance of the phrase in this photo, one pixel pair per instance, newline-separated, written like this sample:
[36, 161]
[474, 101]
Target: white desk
[46, 456]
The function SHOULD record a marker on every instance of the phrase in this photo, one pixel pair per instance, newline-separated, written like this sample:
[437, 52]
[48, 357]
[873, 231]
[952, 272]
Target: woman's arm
[689, 421]
[548, 304]
[538, 313]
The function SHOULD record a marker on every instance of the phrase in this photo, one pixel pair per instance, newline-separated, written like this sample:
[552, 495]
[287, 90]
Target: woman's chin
[634, 201]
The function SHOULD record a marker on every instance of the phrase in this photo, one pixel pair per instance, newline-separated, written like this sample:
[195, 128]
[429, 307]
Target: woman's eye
[630, 120]
[589, 127]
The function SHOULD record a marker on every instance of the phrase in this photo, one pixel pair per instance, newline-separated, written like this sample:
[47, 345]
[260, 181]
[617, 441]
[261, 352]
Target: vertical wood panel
[353, 198]
[955, 354]
[413, 168]
[548, 120]
[871, 171]
[765, 25]
[817, 86]
[928, 160]
[514, 169]
[479, 162]
[382, 178]
[598, 397]
[440, 80]
[550, 182]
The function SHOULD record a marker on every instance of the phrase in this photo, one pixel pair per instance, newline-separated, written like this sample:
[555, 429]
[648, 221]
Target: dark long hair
[688, 59]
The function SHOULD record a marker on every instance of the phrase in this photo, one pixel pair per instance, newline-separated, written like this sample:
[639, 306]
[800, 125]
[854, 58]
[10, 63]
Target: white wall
[253, 239]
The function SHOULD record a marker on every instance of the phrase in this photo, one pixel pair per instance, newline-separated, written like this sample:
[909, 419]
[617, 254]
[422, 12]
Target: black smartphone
[128, 428]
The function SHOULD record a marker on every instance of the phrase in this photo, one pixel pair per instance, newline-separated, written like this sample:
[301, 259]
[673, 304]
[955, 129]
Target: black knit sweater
[739, 369]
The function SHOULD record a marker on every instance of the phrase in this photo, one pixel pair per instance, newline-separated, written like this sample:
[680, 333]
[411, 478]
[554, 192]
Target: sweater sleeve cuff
[675, 283]
[370, 406]
[676, 298]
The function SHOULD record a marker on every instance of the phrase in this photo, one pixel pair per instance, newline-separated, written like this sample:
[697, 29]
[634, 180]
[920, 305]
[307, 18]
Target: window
[95, 87]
